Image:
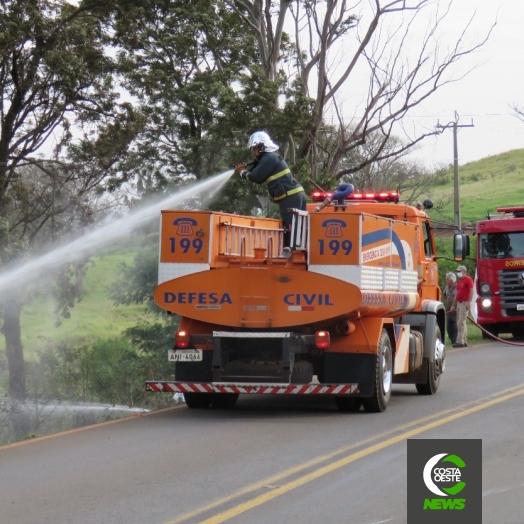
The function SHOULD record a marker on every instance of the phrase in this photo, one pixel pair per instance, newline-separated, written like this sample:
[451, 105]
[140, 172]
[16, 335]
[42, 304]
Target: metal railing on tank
[241, 240]
[299, 228]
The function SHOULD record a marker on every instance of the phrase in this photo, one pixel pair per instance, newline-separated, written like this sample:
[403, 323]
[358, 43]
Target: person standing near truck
[270, 168]
[448, 296]
[462, 304]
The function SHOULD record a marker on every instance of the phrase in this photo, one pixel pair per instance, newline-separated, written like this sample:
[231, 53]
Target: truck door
[428, 270]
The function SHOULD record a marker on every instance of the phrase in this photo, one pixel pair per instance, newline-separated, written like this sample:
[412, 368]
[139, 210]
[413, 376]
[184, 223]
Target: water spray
[106, 234]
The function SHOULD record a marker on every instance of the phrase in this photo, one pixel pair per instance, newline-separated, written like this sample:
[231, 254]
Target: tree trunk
[13, 344]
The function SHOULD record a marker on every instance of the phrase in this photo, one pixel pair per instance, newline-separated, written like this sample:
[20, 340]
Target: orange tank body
[226, 269]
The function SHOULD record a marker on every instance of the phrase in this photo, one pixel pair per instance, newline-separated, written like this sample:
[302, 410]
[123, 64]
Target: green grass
[474, 335]
[493, 182]
[92, 318]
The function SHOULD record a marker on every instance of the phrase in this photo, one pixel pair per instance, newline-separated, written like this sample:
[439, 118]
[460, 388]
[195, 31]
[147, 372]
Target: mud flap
[350, 368]
[195, 371]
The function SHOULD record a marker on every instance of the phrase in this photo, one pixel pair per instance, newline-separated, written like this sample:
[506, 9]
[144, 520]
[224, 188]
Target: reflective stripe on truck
[268, 389]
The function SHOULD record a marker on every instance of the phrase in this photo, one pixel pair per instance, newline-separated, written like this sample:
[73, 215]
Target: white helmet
[262, 141]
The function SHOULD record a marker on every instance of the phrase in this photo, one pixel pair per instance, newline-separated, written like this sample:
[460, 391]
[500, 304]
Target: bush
[109, 371]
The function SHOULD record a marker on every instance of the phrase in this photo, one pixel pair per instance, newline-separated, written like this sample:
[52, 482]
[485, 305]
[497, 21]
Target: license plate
[184, 355]
[520, 307]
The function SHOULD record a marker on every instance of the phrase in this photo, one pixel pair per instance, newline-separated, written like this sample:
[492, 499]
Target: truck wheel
[224, 400]
[197, 400]
[348, 404]
[383, 377]
[302, 372]
[434, 372]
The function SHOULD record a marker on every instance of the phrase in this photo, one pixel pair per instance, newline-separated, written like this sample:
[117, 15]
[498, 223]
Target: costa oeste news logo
[444, 481]
[441, 476]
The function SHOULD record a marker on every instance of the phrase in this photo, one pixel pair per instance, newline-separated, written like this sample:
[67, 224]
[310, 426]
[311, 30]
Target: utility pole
[456, 201]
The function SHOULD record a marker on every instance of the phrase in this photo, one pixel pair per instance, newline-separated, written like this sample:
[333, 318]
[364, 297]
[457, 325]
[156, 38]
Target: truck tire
[348, 404]
[434, 373]
[224, 400]
[383, 377]
[197, 400]
[302, 372]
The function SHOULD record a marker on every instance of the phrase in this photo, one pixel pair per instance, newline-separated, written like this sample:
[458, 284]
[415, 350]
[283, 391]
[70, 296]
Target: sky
[483, 98]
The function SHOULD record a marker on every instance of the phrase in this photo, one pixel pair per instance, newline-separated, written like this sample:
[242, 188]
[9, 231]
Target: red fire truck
[500, 272]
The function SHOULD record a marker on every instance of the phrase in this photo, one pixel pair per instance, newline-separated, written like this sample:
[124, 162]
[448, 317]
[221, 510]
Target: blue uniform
[283, 187]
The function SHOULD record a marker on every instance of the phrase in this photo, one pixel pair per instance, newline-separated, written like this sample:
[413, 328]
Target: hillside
[484, 185]
[93, 317]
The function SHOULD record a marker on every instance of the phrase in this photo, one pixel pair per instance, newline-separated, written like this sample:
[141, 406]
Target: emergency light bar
[381, 196]
[517, 209]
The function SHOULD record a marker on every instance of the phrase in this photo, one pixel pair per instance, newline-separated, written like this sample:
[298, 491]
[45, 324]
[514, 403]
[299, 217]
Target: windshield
[501, 245]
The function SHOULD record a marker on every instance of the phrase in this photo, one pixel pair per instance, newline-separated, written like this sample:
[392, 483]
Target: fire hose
[493, 336]
[323, 204]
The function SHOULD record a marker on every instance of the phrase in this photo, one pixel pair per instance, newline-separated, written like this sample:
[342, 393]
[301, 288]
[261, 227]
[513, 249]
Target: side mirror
[427, 204]
[460, 247]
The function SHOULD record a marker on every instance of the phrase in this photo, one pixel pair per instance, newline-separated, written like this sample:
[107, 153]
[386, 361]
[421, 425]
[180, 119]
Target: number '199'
[334, 246]
[185, 244]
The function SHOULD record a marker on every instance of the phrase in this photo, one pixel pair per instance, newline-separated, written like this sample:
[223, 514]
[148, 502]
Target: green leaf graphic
[456, 460]
[457, 488]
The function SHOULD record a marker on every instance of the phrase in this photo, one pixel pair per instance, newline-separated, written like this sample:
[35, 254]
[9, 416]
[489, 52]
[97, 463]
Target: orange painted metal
[185, 237]
[259, 296]
[241, 289]
[334, 239]
[206, 237]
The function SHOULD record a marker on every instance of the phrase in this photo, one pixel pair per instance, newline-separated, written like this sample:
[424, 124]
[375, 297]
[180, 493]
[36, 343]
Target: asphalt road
[274, 460]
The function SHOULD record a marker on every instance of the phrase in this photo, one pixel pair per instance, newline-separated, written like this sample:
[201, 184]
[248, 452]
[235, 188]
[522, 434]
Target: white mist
[104, 235]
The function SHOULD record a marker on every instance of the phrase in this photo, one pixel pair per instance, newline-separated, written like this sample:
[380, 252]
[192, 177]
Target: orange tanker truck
[353, 307]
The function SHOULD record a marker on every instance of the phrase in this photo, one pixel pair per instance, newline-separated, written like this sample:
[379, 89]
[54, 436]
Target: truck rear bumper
[252, 388]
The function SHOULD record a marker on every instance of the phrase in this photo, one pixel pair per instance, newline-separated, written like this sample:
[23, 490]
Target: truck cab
[500, 272]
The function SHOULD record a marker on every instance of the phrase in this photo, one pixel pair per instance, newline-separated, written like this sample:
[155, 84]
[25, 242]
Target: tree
[393, 172]
[136, 286]
[181, 60]
[518, 111]
[56, 85]
[194, 70]
[381, 52]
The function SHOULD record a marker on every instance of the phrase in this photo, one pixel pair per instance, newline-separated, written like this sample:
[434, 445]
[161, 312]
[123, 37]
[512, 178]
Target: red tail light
[322, 339]
[181, 339]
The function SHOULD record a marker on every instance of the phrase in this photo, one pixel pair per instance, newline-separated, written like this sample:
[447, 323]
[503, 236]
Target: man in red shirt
[462, 304]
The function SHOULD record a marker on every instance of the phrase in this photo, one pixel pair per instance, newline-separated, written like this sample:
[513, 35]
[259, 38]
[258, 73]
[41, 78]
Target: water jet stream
[104, 235]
